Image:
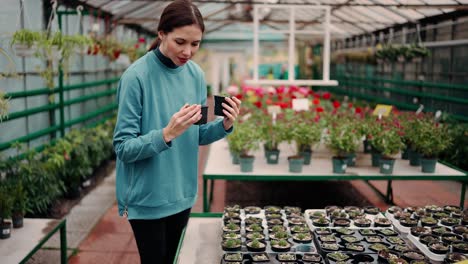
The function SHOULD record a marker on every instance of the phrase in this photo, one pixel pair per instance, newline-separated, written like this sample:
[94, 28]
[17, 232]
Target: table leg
[389, 197]
[462, 196]
[211, 192]
[205, 198]
[63, 243]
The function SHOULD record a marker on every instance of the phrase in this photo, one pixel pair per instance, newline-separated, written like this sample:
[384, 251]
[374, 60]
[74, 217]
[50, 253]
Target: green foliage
[19, 197]
[388, 142]
[4, 106]
[457, 152]
[26, 37]
[6, 203]
[393, 53]
[271, 133]
[432, 140]
[342, 139]
[245, 137]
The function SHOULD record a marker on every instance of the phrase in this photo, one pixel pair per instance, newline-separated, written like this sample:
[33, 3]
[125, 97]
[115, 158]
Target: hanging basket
[23, 50]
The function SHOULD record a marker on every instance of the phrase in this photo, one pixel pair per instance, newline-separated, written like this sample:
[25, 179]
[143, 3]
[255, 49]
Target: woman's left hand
[231, 111]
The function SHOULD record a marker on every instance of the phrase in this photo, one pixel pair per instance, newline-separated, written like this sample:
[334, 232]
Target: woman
[155, 139]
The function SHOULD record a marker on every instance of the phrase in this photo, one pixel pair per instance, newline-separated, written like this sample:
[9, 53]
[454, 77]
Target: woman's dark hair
[177, 14]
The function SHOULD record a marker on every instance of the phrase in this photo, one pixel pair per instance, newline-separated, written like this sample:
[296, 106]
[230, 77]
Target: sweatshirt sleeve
[212, 131]
[129, 144]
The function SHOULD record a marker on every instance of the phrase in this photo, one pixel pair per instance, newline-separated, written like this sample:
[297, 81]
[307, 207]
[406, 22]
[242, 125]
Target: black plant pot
[5, 230]
[438, 247]
[460, 247]
[218, 107]
[17, 220]
[204, 118]
[418, 231]
[261, 248]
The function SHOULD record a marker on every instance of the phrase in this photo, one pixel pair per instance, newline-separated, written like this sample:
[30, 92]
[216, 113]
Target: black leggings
[157, 239]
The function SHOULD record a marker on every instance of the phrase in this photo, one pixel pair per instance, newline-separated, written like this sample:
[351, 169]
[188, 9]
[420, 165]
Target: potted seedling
[396, 240]
[253, 220]
[252, 209]
[280, 245]
[277, 228]
[317, 214]
[440, 230]
[254, 228]
[387, 232]
[279, 235]
[341, 222]
[438, 247]
[296, 221]
[386, 255]
[367, 232]
[373, 239]
[274, 221]
[232, 235]
[382, 222]
[231, 244]
[302, 237]
[460, 229]
[312, 257]
[287, 257]
[330, 246]
[408, 222]
[418, 231]
[231, 227]
[256, 246]
[338, 256]
[306, 134]
[344, 231]
[411, 255]
[362, 222]
[233, 257]
[372, 210]
[322, 222]
[300, 229]
[461, 247]
[428, 221]
[6, 205]
[378, 246]
[292, 210]
[322, 231]
[449, 221]
[255, 235]
[350, 239]
[455, 258]
[451, 238]
[260, 257]
[355, 247]
[426, 239]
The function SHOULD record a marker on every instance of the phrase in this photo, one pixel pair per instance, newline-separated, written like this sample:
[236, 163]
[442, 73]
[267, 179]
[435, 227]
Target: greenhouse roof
[231, 19]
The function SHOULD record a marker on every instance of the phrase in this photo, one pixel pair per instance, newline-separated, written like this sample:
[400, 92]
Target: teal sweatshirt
[155, 179]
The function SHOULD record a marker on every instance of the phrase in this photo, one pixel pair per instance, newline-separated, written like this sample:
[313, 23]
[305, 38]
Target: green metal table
[219, 167]
[25, 241]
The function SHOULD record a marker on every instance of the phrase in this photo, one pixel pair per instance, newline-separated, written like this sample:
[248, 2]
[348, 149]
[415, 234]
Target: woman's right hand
[181, 121]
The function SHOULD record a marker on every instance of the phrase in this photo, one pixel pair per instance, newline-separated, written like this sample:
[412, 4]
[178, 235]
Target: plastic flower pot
[414, 158]
[351, 159]
[272, 156]
[235, 158]
[405, 154]
[386, 165]
[307, 156]
[218, 107]
[295, 164]
[376, 158]
[204, 119]
[367, 146]
[428, 165]
[339, 164]
[246, 163]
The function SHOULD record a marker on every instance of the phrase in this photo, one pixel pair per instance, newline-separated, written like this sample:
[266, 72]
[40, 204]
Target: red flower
[239, 96]
[317, 96]
[326, 95]
[141, 40]
[358, 110]
[336, 104]
[316, 101]
[319, 109]
[350, 105]
[258, 104]
[268, 102]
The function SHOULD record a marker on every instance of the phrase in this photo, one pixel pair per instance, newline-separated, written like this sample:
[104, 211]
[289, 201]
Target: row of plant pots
[263, 257]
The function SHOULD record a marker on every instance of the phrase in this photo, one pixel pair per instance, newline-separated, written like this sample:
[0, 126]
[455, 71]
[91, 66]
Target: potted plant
[6, 205]
[306, 134]
[342, 140]
[256, 245]
[25, 42]
[388, 142]
[272, 135]
[19, 204]
[242, 140]
[231, 244]
[280, 245]
[433, 139]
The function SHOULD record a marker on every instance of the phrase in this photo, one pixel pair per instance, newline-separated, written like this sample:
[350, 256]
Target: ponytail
[155, 44]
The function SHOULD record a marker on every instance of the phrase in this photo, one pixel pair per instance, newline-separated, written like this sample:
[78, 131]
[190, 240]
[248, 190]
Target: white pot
[23, 50]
